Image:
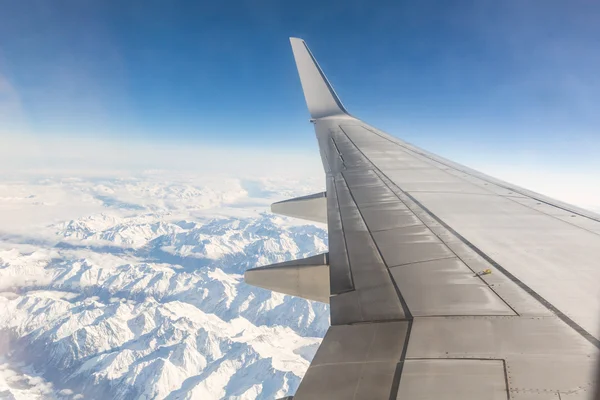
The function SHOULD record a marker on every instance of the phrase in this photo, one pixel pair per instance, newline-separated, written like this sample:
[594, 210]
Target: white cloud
[11, 108]
[571, 180]
[93, 155]
[18, 384]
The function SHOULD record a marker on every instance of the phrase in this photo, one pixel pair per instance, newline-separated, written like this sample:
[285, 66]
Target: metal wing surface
[444, 283]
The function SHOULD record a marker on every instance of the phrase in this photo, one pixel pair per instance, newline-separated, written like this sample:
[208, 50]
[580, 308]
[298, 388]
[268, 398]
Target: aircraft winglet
[321, 99]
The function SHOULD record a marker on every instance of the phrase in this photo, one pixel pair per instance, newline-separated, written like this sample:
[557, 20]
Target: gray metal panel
[536, 396]
[361, 177]
[330, 156]
[446, 287]
[399, 254]
[358, 381]
[430, 175]
[494, 337]
[545, 208]
[453, 380]
[336, 382]
[528, 242]
[352, 157]
[360, 343]
[374, 297]
[530, 245]
[413, 234]
[385, 206]
[355, 362]
[514, 295]
[518, 299]
[377, 296]
[402, 246]
[370, 195]
[541, 354]
[352, 220]
[534, 373]
[339, 268]
[345, 199]
[380, 220]
[345, 308]
[444, 187]
[371, 293]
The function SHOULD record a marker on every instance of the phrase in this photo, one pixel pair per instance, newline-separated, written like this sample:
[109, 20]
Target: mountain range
[141, 296]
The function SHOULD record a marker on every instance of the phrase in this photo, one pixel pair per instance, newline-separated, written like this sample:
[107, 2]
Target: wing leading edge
[444, 282]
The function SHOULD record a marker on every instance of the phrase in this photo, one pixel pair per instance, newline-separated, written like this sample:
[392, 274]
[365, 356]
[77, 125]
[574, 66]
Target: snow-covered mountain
[132, 288]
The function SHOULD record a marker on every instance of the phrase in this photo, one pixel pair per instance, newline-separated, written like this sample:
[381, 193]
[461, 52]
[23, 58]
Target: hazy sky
[501, 82]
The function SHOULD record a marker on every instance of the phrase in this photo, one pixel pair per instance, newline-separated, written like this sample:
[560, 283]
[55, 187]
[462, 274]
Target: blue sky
[515, 77]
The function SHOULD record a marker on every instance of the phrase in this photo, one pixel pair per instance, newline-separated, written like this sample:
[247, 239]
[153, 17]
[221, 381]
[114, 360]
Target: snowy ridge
[144, 298]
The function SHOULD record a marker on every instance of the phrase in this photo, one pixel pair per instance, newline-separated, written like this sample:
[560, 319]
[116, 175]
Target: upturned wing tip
[321, 99]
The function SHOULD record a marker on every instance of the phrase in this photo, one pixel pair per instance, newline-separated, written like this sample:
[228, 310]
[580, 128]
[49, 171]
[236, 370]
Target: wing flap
[356, 362]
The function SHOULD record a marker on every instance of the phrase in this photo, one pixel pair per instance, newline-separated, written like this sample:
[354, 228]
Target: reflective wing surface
[444, 283]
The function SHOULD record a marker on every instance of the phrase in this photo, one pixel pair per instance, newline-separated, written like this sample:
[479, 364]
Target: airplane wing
[443, 282]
